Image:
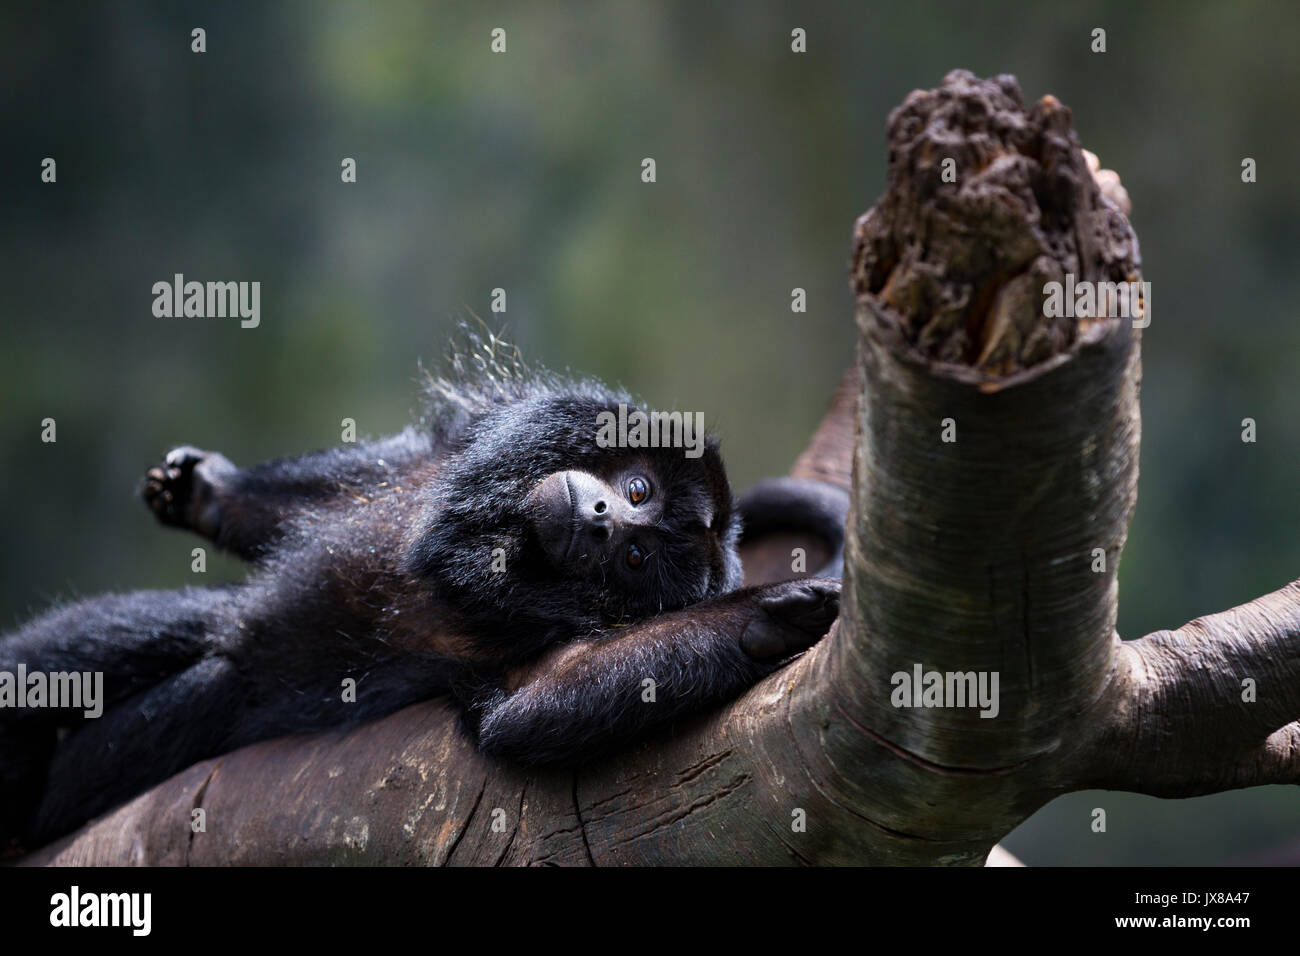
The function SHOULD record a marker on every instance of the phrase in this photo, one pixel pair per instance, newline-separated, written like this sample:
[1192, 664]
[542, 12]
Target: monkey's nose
[598, 520]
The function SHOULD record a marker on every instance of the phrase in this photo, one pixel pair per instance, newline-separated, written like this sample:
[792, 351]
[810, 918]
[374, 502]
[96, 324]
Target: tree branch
[997, 449]
[1179, 720]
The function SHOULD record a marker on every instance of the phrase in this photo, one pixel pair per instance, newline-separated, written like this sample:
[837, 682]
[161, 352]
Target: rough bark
[968, 555]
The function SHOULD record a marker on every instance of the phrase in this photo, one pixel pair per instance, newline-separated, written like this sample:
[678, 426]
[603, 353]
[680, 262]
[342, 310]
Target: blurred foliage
[522, 171]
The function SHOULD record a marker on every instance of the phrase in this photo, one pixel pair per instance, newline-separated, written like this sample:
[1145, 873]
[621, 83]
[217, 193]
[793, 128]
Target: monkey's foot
[791, 617]
[181, 491]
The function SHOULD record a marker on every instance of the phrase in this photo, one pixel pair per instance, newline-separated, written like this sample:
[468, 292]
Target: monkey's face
[583, 522]
[648, 534]
[534, 527]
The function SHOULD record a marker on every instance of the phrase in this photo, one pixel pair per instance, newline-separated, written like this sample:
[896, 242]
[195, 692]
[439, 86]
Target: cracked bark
[972, 555]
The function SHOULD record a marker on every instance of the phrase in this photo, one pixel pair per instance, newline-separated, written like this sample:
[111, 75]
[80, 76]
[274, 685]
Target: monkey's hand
[791, 617]
[182, 490]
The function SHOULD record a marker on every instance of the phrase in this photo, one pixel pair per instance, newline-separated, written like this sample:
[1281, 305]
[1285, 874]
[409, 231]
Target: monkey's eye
[638, 490]
[634, 556]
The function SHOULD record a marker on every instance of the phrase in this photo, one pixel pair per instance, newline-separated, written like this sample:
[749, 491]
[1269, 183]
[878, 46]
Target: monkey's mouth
[574, 523]
[553, 516]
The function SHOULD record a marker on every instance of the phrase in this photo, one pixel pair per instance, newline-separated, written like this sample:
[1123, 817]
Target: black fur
[375, 562]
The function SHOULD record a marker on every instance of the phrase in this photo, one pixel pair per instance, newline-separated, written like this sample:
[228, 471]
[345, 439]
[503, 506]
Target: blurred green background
[522, 171]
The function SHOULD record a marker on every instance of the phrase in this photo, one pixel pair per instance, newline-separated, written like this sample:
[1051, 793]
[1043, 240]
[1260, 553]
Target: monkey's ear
[733, 573]
[715, 476]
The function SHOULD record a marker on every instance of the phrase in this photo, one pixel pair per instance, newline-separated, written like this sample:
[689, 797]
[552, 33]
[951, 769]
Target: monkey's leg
[106, 649]
[133, 640]
[24, 754]
[217, 705]
[246, 510]
[587, 698]
[140, 742]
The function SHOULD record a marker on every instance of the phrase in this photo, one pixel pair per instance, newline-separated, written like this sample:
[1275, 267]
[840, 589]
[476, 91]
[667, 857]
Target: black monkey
[495, 551]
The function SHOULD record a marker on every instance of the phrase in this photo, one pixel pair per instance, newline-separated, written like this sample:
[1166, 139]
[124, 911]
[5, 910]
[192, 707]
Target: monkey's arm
[244, 510]
[587, 698]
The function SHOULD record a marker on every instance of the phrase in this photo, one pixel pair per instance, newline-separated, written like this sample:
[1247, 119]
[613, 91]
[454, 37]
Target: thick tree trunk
[992, 453]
